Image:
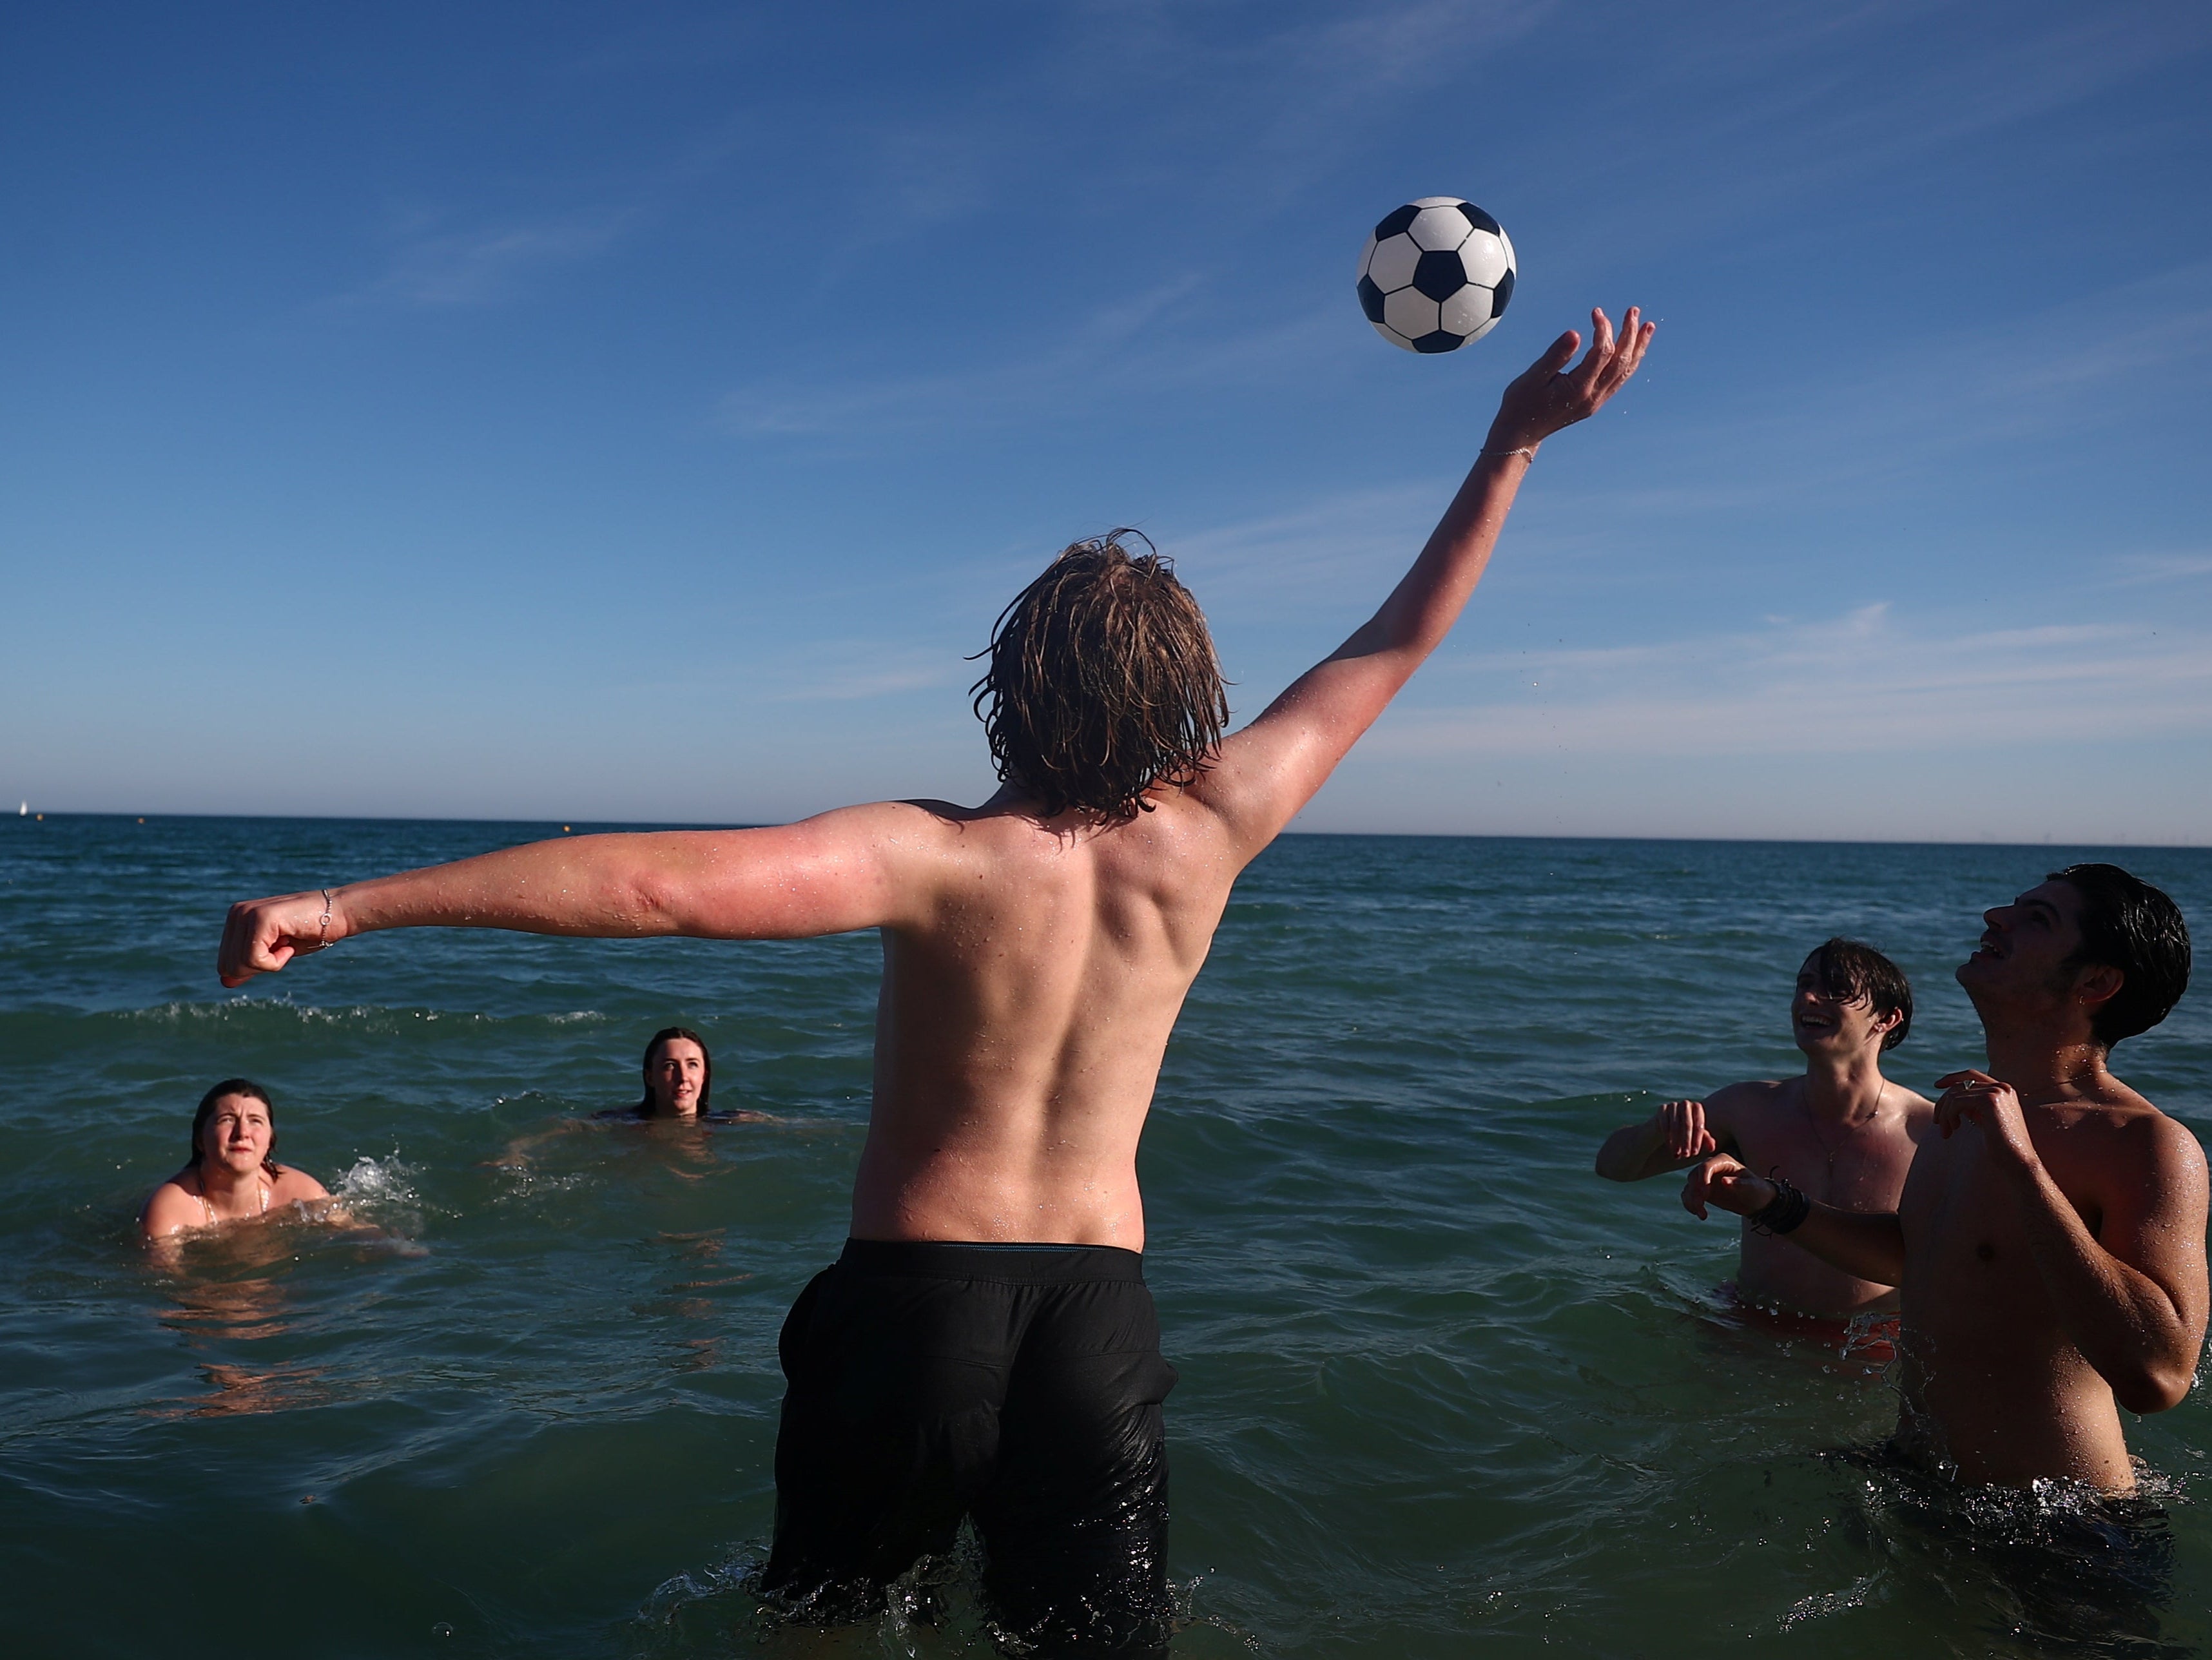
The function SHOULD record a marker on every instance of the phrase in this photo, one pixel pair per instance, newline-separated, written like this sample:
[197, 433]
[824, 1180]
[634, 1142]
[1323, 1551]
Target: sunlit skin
[674, 1077]
[229, 1183]
[1842, 1132]
[1034, 966]
[2049, 1240]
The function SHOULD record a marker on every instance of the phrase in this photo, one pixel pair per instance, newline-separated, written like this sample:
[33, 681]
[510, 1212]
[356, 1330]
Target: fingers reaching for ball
[1550, 395]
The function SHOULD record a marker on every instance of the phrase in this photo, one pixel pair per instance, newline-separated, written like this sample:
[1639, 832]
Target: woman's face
[675, 1076]
[238, 1134]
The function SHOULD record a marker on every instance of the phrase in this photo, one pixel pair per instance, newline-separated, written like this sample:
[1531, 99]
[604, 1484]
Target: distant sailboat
[24, 811]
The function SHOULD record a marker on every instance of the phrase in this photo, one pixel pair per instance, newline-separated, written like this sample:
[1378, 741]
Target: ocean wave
[249, 1012]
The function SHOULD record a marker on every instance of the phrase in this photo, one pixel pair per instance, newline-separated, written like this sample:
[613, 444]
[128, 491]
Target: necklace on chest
[1820, 1141]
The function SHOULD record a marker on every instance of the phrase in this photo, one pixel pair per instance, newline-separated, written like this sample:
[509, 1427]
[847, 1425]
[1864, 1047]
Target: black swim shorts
[1020, 1385]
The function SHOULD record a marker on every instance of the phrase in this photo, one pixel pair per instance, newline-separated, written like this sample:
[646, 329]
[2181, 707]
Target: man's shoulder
[2121, 1139]
[1751, 1095]
[2135, 1131]
[1919, 1112]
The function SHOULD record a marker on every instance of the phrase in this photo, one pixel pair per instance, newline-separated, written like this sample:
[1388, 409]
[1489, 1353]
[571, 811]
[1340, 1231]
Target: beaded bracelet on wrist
[1783, 1212]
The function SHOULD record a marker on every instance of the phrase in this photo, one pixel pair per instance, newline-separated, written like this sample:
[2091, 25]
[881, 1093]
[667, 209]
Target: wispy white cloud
[851, 673]
[1288, 87]
[1859, 683]
[485, 262]
[1907, 415]
[2136, 570]
[1010, 387]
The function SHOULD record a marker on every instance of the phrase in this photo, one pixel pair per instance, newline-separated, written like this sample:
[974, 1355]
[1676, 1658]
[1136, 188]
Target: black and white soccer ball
[1437, 273]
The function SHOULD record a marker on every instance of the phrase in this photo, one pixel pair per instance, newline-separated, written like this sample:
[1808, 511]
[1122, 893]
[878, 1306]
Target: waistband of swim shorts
[1019, 1264]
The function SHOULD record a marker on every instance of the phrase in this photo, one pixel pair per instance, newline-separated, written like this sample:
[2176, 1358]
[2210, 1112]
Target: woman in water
[679, 1076]
[233, 1175]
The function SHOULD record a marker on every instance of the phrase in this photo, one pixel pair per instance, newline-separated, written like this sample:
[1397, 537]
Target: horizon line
[595, 825]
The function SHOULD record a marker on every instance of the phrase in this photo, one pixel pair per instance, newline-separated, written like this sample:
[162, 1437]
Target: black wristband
[1782, 1213]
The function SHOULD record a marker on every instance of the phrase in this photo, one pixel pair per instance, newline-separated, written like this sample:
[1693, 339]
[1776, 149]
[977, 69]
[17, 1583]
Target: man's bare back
[1025, 1010]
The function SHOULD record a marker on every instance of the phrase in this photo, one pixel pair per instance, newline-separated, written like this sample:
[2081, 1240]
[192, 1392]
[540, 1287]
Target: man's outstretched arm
[1675, 1137]
[1271, 768]
[841, 871]
[1868, 1244]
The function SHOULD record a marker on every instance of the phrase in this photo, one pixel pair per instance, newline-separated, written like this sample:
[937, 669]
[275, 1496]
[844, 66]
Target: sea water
[1441, 1388]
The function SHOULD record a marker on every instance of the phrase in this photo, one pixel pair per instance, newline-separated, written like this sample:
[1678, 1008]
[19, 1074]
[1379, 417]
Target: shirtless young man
[2050, 1243]
[233, 1175]
[1843, 1133]
[986, 1344]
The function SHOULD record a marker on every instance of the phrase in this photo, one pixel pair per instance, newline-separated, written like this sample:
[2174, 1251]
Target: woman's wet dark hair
[644, 1107]
[2127, 924]
[1102, 681]
[251, 1091]
[1851, 969]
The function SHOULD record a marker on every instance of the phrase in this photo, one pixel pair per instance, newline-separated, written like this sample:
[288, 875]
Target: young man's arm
[1869, 1245]
[1677, 1135]
[1266, 773]
[843, 870]
[2132, 1296]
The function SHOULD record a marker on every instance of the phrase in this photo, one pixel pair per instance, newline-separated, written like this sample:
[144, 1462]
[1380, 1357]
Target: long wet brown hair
[252, 1092]
[1102, 681]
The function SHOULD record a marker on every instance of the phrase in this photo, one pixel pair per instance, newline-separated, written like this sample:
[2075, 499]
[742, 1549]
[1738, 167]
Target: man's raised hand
[1682, 1130]
[1548, 395]
[1974, 1097]
[261, 936]
[1724, 1181]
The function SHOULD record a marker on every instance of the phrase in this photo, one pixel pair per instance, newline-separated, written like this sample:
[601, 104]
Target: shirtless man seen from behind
[2049, 1241]
[1036, 953]
[1842, 1132]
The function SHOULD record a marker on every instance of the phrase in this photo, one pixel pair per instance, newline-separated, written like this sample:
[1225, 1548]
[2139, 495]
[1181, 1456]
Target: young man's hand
[1725, 1181]
[1548, 395]
[261, 936]
[1682, 1130]
[1976, 1097]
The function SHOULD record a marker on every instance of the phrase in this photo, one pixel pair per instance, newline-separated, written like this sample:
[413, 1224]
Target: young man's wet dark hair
[1102, 682]
[251, 1091]
[1851, 969]
[2127, 924]
[644, 1107]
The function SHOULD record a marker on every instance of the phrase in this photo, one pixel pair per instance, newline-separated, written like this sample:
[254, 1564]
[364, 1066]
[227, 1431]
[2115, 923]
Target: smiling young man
[1842, 1132]
[986, 1345]
[2049, 1241]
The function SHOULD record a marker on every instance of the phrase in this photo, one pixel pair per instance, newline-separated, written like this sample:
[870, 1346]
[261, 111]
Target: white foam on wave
[378, 1181]
[233, 1009]
[180, 1012]
[1821, 1605]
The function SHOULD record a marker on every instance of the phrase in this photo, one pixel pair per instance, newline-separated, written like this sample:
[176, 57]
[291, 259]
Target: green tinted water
[1441, 1387]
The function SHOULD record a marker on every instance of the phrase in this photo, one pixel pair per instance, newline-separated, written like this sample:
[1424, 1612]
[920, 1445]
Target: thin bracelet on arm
[1529, 451]
[322, 934]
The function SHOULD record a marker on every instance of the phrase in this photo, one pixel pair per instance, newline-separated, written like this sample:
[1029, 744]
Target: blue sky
[638, 412]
